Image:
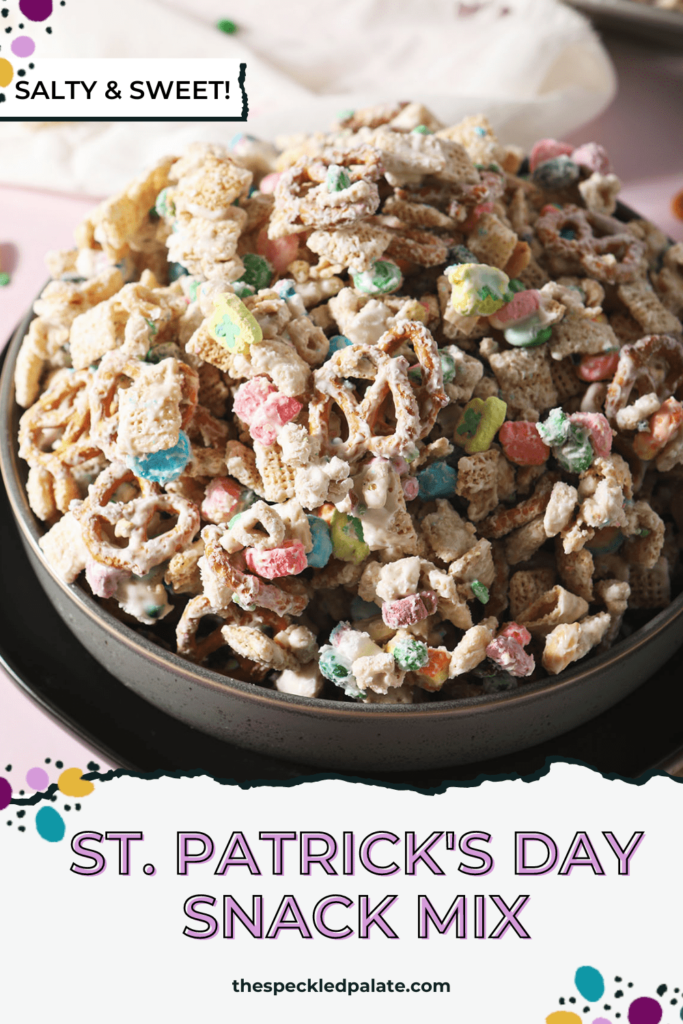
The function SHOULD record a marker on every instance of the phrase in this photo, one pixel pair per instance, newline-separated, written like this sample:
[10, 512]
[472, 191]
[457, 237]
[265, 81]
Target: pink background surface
[642, 131]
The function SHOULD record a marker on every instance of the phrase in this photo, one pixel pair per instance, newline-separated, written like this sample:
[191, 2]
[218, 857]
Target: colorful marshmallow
[279, 252]
[221, 499]
[557, 173]
[602, 366]
[663, 427]
[103, 579]
[593, 157]
[348, 542]
[435, 672]
[575, 454]
[410, 654]
[522, 444]
[509, 655]
[337, 178]
[406, 611]
[264, 409]
[528, 333]
[477, 289]
[554, 430]
[164, 466]
[321, 552]
[337, 342]
[479, 423]
[547, 149]
[601, 433]
[383, 277]
[436, 481]
[514, 631]
[232, 325]
[522, 305]
[287, 560]
[258, 271]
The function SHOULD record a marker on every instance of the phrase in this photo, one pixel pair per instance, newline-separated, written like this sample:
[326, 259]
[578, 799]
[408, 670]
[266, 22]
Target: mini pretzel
[416, 407]
[303, 200]
[62, 408]
[600, 243]
[654, 364]
[289, 597]
[271, 534]
[199, 607]
[116, 367]
[103, 520]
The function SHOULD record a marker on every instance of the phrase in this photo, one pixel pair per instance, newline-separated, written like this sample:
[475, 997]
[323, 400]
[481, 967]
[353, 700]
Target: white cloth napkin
[534, 66]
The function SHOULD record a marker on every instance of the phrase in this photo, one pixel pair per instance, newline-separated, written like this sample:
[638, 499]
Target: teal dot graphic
[50, 824]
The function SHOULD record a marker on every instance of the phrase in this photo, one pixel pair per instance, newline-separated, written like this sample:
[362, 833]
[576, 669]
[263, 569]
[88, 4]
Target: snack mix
[385, 414]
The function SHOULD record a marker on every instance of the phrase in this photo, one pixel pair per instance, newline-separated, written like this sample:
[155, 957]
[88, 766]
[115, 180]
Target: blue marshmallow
[321, 552]
[161, 467]
[336, 342]
[437, 481]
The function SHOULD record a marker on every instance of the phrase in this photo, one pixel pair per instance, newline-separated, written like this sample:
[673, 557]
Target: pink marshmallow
[274, 413]
[482, 208]
[288, 560]
[221, 498]
[523, 305]
[600, 431]
[593, 157]
[406, 611]
[103, 579]
[547, 149]
[279, 252]
[511, 656]
[269, 183]
[251, 396]
[264, 409]
[514, 631]
[410, 488]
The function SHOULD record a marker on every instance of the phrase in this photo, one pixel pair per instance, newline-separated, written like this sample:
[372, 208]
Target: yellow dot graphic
[71, 784]
[6, 72]
[563, 1017]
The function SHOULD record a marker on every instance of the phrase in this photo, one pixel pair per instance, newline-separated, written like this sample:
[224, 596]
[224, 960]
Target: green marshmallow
[527, 333]
[410, 654]
[348, 542]
[382, 278]
[337, 178]
[258, 272]
[163, 205]
[576, 454]
[555, 430]
[447, 366]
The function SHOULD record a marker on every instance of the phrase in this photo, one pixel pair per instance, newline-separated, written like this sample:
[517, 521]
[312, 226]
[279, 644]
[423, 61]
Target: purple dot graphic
[36, 10]
[37, 778]
[5, 793]
[644, 1011]
[601, 1020]
[23, 46]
